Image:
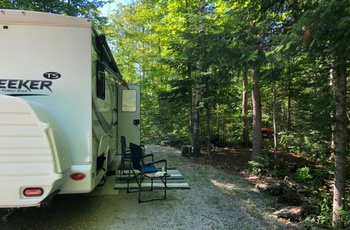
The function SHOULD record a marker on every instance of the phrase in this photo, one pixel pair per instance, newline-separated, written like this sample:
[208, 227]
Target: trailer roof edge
[24, 17]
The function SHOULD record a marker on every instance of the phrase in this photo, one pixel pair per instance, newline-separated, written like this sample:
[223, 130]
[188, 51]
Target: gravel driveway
[216, 200]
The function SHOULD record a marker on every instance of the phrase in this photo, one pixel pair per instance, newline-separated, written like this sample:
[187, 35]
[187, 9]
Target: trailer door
[129, 123]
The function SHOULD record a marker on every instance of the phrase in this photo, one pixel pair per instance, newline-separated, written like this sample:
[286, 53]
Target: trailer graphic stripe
[16, 84]
[26, 95]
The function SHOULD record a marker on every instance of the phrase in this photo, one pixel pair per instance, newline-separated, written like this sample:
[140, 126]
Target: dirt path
[217, 200]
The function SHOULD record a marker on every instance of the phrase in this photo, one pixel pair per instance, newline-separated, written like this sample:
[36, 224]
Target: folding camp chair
[143, 166]
[125, 156]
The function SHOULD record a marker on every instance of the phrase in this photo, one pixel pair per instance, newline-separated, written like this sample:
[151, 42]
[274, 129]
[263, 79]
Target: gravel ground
[216, 200]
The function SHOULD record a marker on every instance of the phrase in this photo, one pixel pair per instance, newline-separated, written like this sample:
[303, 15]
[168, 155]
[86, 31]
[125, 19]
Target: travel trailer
[63, 108]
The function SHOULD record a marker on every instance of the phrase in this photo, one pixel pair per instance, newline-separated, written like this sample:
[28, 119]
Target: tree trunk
[196, 118]
[198, 86]
[332, 84]
[257, 110]
[245, 118]
[289, 105]
[207, 106]
[275, 143]
[341, 122]
[191, 114]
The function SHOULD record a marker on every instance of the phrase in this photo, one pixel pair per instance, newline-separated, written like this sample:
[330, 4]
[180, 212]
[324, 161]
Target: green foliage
[309, 144]
[324, 204]
[257, 168]
[289, 142]
[302, 175]
[263, 167]
[345, 216]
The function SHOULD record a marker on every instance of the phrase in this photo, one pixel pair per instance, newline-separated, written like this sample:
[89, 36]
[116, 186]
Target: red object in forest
[267, 132]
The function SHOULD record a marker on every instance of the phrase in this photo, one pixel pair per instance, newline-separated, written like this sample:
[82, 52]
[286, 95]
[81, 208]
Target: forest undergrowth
[297, 175]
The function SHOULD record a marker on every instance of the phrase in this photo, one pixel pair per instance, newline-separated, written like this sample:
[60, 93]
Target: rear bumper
[13, 186]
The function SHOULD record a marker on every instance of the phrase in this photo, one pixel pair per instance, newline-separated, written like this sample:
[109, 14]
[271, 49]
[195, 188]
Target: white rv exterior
[59, 107]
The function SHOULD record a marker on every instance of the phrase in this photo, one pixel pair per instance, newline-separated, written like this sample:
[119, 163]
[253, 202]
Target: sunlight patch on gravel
[223, 185]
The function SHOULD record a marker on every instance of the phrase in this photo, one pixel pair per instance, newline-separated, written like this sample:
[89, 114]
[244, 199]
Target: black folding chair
[125, 156]
[142, 167]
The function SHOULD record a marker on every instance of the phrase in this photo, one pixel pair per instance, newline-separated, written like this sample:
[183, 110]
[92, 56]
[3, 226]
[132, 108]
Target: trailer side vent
[5, 27]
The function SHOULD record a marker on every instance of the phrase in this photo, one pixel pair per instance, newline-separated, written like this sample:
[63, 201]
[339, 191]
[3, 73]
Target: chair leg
[140, 201]
[137, 181]
[164, 181]
[165, 187]
[121, 169]
[140, 189]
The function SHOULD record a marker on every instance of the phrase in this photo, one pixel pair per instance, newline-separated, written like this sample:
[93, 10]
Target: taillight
[77, 176]
[33, 192]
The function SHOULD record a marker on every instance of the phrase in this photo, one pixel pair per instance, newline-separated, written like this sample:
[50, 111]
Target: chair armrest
[145, 157]
[161, 161]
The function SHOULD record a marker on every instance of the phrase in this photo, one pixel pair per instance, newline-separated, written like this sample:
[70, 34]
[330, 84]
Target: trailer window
[129, 101]
[105, 106]
[100, 82]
